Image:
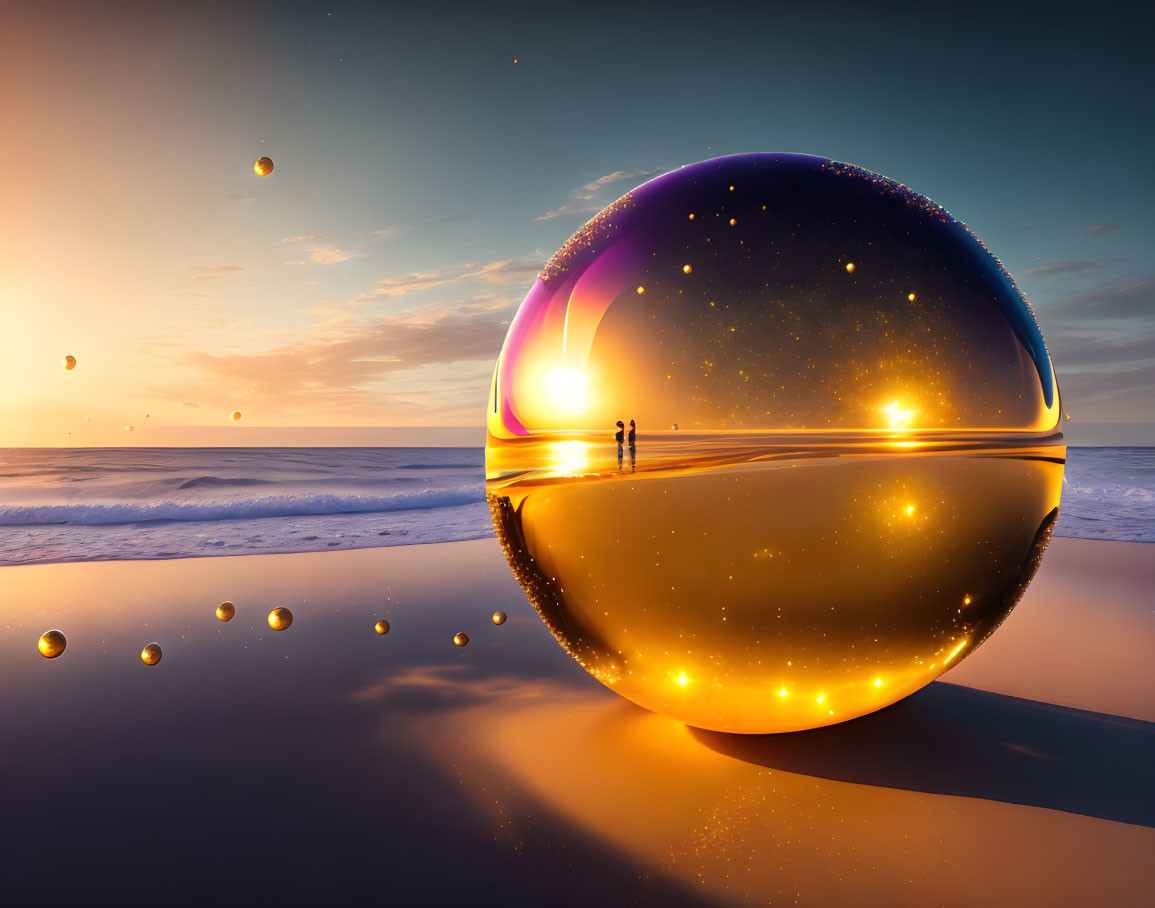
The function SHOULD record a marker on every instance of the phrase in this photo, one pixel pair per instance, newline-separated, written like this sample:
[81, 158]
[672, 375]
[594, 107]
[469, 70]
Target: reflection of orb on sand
[460, 639]
[70, 362]
[226, 611]
[52, 644]
[381, 627]
[280, 618]
[848, 422]
[151, 654]
[499, 617]
[263, 167]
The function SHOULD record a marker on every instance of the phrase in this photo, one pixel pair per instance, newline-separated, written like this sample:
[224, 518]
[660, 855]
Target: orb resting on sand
[865, 456]
[263, 167]
[280, 618]
[51, 644]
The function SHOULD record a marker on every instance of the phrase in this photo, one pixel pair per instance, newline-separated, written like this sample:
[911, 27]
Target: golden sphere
[460, 639]
[263, 167]
[236, 415]
[151, 654]
[226, 611]
[499, 617]
[381, 627]
[801, 551]
[280, 618]
[52, 644]
[70, 363]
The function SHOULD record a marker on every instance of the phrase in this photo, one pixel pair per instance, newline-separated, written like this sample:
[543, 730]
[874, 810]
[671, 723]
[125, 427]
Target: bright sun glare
[897, 416]
[567, 389]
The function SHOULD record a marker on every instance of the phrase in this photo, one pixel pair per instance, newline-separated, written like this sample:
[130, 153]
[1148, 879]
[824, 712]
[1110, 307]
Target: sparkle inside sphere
[52, 644]
[280, 618]
[381, 627]
[263, 167]
[151, 654]
[852, 459]
[460, 639]
[226, 611]
[499, 618]
[70, 362]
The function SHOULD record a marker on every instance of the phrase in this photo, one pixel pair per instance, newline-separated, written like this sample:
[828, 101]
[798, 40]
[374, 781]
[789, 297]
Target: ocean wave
[95, 513]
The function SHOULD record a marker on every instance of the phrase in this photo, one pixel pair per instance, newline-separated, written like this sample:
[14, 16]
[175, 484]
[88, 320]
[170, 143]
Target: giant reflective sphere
[773, 442]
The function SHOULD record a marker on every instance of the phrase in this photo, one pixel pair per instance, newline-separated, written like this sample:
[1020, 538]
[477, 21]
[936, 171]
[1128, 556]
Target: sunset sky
[422, 176]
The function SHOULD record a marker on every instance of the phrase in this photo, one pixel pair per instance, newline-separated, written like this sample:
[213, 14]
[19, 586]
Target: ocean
[115, 504]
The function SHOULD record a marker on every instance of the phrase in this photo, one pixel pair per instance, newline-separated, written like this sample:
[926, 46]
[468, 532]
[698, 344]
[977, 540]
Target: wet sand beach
[327, 761]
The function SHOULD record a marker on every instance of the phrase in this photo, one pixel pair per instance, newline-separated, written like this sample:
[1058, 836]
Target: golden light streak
[954, 652]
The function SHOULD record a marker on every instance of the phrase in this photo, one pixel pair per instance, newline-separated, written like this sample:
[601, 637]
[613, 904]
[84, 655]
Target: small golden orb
[499, 617]
[280, 618]
[460, 639]
[381, 627]
[151, 654]
[52, 644]
[263, 167]
[226, 611]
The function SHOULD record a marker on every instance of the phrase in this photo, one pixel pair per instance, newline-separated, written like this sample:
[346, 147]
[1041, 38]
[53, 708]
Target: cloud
[1102, 343]
[192, 405]
[321, 249]
[338, 367]
[415, 225]
[1076, 267]
[214, 272]
[1100, 229]
[501, 271]
[587, 192]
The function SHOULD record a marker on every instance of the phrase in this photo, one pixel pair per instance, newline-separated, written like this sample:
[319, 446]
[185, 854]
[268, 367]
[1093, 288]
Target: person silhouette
[619, 438]
[632, 438]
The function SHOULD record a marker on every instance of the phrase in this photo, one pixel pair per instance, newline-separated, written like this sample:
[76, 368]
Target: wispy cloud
[320, 249]
[214, 272]
[1068, 268]
[580, 198]
[338, 367]
[1100, 229]
[415, 225]
[1103, 345]
[502, 271]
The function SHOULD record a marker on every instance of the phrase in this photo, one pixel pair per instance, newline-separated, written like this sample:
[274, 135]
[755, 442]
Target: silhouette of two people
[621, 437]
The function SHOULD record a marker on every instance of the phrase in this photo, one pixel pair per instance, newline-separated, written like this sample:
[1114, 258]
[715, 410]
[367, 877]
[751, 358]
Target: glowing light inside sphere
[460, 639]
[70, 362]
[825, 492]
[52, 644]
[280, 618]
[263, 167]
[226, 611]
[381, 627]
[499, 618]
[151, 654]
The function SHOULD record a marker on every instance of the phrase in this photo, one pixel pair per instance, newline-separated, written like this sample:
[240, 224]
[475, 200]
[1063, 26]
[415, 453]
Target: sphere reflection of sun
[567, 390]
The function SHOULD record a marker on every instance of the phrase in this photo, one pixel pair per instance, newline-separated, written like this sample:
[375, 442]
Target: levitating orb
[381, 627]
[263, 167]
[280, 618]
[847, 454]
[236, 415]
[226, 611]
[499, 618]
[151, 654]
[70, 362]
[52, 644]
[460, 639]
